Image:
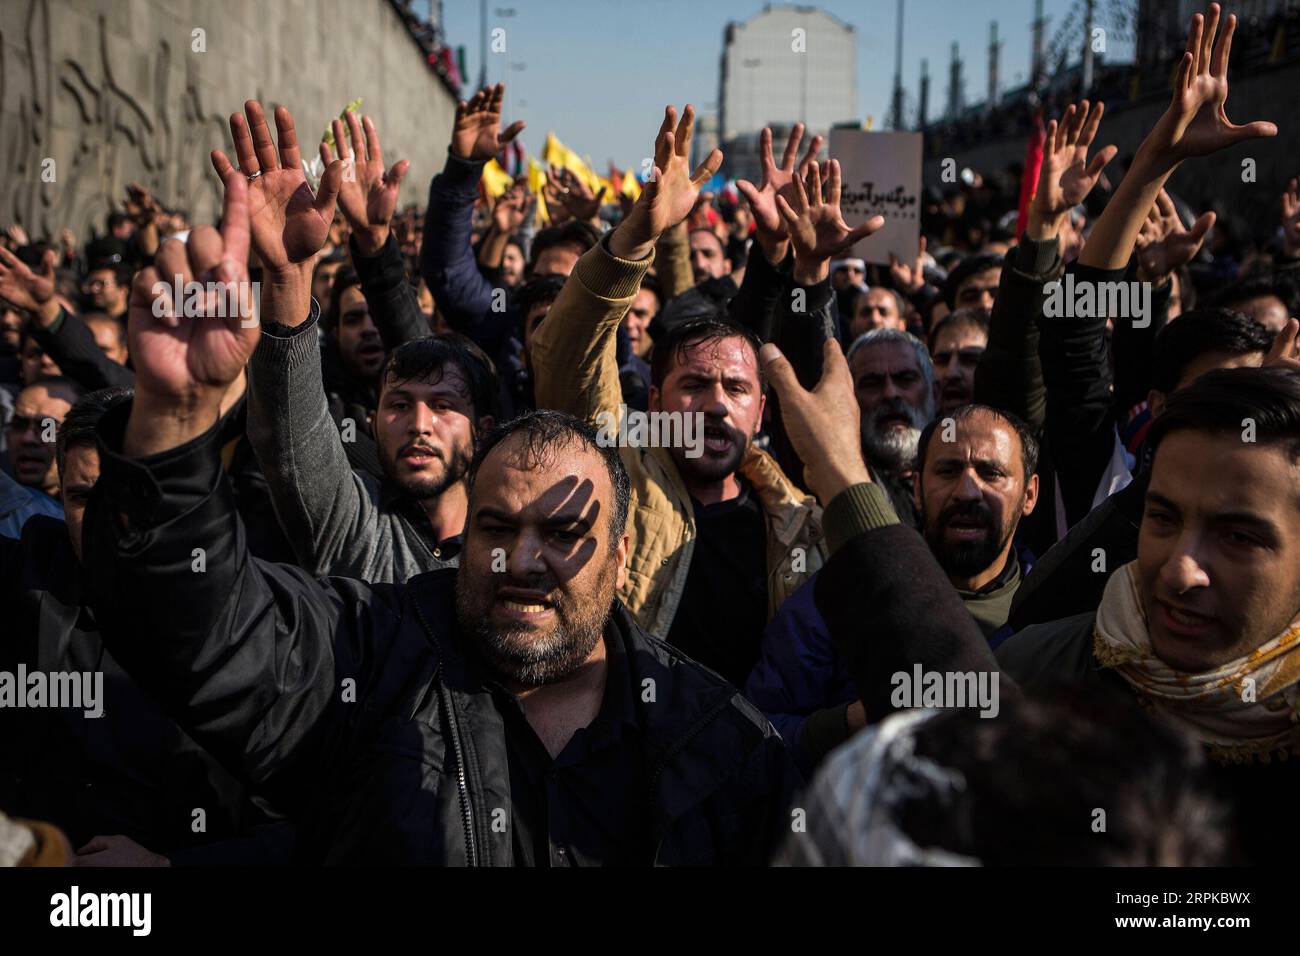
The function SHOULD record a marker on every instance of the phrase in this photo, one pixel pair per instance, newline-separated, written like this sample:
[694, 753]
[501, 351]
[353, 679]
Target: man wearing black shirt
[726, 588]
[423, 721]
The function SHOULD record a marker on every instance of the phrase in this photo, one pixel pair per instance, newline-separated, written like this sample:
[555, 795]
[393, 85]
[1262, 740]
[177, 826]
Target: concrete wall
[1269, 94]
[112, 91]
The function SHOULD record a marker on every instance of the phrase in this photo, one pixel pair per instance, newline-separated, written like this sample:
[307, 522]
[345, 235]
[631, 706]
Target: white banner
[881, 175]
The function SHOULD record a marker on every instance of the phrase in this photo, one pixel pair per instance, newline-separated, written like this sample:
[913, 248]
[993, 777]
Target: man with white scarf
[1203, 629]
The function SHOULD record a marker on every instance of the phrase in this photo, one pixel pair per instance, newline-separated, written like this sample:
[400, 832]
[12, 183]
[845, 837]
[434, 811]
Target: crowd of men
[940, 573]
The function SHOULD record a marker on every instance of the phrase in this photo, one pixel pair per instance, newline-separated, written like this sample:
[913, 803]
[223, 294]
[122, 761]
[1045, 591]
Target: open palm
[777, 180]
[1067, 177]
[1196, 122]
[477, 134]
[287, 223]
[367, 193]
[672, 191]
[817, 228]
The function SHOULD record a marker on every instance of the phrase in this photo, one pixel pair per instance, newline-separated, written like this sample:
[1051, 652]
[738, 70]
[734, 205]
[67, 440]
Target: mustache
[968, 509]
[419, 446]
[890, 407]
[718, 428]
[544, 584]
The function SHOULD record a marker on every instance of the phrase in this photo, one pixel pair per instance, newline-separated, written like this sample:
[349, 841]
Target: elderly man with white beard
[893, 380]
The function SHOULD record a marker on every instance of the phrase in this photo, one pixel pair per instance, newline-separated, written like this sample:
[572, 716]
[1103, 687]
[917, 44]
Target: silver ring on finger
[252, 176]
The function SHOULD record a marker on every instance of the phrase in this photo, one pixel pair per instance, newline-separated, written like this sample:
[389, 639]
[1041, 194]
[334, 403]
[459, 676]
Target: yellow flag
[561, 157]
[536, 181]
[631, 188]
[495, 179]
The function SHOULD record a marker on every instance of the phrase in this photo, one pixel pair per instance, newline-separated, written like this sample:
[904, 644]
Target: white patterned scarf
[1245, 710]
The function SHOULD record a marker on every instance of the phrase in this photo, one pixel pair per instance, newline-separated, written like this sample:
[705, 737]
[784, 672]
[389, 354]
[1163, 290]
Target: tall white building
[784, 65]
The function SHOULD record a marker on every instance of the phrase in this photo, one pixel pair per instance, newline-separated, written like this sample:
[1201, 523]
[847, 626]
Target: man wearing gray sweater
[437, 394]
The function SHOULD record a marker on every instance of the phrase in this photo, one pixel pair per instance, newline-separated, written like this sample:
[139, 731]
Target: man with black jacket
[117, 774]
[485, 718]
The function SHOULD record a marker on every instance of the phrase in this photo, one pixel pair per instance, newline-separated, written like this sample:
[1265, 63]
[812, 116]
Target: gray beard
[893, 450]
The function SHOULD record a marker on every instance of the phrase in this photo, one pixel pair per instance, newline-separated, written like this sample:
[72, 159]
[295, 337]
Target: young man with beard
[719, 535]
[501, 714]
[435, 395]
[893, 381]
[975, 481]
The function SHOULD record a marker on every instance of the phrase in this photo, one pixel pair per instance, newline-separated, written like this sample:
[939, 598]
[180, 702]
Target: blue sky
[598, 72]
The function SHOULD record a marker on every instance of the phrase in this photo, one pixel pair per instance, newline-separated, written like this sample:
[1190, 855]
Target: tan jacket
[576, 371]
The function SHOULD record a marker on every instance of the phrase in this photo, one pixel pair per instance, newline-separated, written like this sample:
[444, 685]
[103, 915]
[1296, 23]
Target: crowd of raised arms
[380, 563]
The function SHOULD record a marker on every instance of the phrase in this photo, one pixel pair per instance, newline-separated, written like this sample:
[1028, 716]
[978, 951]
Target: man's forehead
[991, 274]
[963, 336]
[1219, 472]
[445, 379]
[731, 353]
[83, 459]
[891, 357]
[979, 436]
[41, 398]
[704, 238]
[521, 478]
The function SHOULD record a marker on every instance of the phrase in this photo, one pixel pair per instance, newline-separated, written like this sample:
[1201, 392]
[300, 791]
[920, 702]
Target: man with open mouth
[313, 408]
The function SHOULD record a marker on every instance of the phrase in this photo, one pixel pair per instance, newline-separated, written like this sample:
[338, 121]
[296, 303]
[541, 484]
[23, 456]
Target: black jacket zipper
[444, 704]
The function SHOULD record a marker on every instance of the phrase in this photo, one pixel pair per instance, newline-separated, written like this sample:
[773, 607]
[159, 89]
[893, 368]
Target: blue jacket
[801, 684]
[463, 294]
[18, 503]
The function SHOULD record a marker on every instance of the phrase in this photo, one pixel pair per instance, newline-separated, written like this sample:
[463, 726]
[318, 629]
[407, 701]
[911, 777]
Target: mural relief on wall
[100, 134]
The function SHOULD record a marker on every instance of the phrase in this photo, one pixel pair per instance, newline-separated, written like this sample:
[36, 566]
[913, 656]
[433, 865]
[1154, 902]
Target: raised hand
[1285, 350]
[184, 363]
[140, 206]
[1291, 219]
[287, 223]
[823, 424]
[909, 277]
[1194, 125]
[777, 181]
[672, 191]
[565, 190]
[511, 210]
[477, 134]
[1196, 122]
[1066, 176]
[367, 194]
[1164, 244]
[817, 227]
[30, 289]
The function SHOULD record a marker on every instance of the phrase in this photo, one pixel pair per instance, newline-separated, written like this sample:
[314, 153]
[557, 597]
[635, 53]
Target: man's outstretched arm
[886, 601]
[447, 260]
[368, 199]
[247, 656]
[574, 350]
